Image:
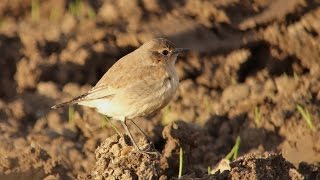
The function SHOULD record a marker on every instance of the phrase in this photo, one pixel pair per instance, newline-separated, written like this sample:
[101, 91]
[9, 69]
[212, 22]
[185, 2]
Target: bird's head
[162, 51]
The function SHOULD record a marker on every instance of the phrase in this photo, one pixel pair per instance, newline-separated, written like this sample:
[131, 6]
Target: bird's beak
[179, 51]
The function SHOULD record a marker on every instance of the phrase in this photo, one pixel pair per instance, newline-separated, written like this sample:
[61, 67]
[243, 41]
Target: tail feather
[73, 101]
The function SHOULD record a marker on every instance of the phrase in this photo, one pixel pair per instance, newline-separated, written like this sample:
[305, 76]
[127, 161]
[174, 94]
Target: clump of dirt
[116, 158]
[259, 166]
[32, 163]
[197, 146]
[266, 166]
[309, 171]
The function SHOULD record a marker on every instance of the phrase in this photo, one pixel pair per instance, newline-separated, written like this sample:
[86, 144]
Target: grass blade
[234, 151]
[180, 163]
[257, 115]
[71, 114]
[306, 116]
[35, 10]
[106, 119]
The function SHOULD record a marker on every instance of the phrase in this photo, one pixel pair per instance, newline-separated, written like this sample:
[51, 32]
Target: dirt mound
[267, 166]
[117, 159]
[32, 163]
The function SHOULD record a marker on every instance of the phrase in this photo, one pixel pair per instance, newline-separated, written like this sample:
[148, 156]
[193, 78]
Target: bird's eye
[165, 52]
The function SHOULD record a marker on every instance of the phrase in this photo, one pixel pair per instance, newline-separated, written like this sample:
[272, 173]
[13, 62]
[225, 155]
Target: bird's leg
[145, 135]
[124, 124]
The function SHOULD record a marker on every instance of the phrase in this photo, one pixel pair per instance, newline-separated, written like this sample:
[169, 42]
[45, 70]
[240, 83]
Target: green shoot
[91, 13]
[207, 104]
[104, 122]
[1, 22]
[75, 7]
[307, 117]
[285, 74]
[54, 15]
[180, 163]
[209, 170]
[257, 115]
[166, 116]
[234, 151]
[295, 75]
[234, 81]
[35, 10]
[71, 114]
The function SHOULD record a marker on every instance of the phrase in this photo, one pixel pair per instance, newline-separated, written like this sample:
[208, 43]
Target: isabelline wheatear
[139, 84]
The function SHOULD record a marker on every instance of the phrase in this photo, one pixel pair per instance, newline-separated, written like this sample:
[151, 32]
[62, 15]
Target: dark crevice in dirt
[64, 73]
[255, 63]
[168, 5]
[51, 47]
[315, 100]
[160, 144]
[239, 12]
[309, 171]
[312, 32]
[214, 123]
[145, 14]
[275, 64]
[280, 67]
[95, 4]
[296, 16]
[10, 54]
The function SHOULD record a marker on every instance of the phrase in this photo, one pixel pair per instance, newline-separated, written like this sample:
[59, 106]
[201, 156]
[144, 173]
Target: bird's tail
[71, 102]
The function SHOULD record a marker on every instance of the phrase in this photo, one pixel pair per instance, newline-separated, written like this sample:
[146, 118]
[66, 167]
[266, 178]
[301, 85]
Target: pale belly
[130, 105]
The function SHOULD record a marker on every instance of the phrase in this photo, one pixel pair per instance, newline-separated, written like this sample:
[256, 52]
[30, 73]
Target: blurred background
[253, 73]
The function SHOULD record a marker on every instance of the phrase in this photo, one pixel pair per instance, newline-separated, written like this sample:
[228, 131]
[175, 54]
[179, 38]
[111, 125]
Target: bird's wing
[111, 83]
[127, 72]
[114, 78]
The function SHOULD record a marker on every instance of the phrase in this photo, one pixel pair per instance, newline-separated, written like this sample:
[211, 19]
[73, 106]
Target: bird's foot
[148, 152]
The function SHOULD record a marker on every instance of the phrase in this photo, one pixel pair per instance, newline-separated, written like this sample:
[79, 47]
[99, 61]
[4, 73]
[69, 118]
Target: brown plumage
[138, 84]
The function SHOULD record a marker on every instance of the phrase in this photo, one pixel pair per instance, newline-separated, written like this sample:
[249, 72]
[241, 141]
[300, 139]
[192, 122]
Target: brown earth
[252, 63]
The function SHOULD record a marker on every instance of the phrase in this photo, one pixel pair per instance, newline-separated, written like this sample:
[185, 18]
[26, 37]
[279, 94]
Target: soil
[252, 64]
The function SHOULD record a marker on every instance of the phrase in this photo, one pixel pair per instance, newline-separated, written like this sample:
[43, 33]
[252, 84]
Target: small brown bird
[139, 84]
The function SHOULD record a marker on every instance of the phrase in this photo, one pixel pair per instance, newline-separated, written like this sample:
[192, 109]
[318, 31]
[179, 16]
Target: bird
[137, 85]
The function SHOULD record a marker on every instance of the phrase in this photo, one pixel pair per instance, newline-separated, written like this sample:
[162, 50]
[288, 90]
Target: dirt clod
[116, 158]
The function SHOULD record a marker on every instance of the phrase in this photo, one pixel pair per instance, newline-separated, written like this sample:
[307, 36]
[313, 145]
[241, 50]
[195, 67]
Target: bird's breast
[170, 86]
[156, 94]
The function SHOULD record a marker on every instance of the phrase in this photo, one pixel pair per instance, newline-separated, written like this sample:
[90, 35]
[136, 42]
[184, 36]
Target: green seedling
[104, 122]
[75, 7]
[180, 162]
[257, 115]
[306, 116]
[209, 170]
[35, 10]
[91, 13]
[232, 155]
[234, 81]
[54, 15]
[1, 21]
[166, 116]
[207, 104]
[105, 119]
[295, 75]
[71, 114]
